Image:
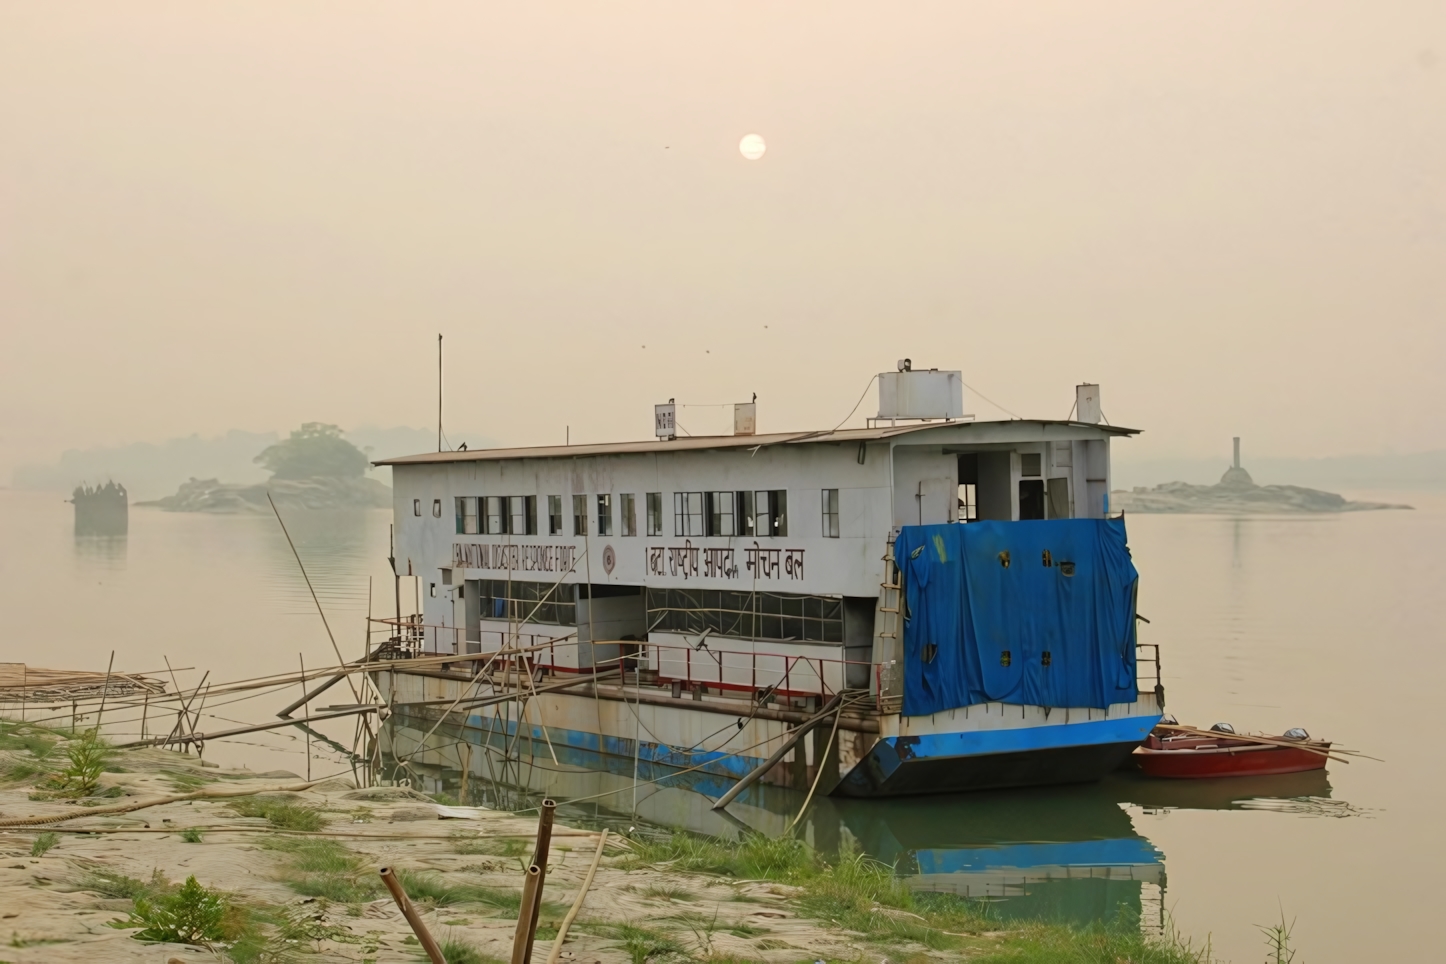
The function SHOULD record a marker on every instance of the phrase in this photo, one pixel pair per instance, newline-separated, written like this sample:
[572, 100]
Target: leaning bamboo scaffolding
[35, 684]
[159, 695]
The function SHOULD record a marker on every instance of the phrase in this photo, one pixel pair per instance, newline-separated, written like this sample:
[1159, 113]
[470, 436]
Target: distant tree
[314, 450]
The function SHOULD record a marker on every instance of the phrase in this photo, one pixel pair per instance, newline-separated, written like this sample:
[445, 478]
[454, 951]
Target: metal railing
[772, 673]
[1152, 660]
[781, 674]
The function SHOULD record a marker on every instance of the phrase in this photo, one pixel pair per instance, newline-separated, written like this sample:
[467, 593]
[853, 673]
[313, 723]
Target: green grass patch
[22, 771]
[191, 914]
[327, 869]
[191, 835]
[73, 773]
[433, 888]
[668, 892]
[860, 894]
[86, 759]
[238, 930]
[755, 857]
[458, 950]
[43, 843]
[1041, 943]
[647, 944]
[17, 941]
[280, 812]
[183, 780]
[113, 884]
[35, 740]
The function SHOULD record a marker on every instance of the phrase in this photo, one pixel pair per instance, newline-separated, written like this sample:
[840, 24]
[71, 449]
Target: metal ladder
[891, 681]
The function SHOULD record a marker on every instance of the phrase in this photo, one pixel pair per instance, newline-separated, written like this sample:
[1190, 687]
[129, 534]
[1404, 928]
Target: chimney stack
[1087, 403]
[1237, 451]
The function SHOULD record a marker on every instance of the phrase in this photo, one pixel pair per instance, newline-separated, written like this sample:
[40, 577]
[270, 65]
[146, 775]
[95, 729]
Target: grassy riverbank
[137, 872]
[864, 898]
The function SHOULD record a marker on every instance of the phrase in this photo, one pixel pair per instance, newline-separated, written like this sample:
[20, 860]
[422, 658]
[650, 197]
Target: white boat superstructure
[750, 575]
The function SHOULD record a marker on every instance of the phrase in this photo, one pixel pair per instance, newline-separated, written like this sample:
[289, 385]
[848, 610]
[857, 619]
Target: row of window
[754, 513]
[749, 615]
[498, 514]
[534, 602]
[718, 612]
[757, 513]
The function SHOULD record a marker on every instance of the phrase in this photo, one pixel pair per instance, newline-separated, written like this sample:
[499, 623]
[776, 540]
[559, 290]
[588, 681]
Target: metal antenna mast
[439, 392]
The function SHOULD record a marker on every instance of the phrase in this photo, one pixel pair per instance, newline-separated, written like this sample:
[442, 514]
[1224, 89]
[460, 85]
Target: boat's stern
[992, 745]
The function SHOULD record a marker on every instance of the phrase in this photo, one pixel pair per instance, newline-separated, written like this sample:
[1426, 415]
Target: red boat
[1182, 752]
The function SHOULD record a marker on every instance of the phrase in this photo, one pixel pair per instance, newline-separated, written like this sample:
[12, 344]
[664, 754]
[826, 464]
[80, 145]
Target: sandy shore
[53, 912]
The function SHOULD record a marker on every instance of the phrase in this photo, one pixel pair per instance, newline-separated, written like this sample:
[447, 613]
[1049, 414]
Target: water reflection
[1230, 793]
[108, 552]
[1065, 853]
[1068, 853]
[336, 546]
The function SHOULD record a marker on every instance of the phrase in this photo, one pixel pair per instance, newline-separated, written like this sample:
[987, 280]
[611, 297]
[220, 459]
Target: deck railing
[691, 667]
[1153, 661]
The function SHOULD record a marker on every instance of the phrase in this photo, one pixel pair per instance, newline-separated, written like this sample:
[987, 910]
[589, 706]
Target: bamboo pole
[539, 860]
[821, 762]
[307, 730]
[577, 904]
[319, 611]
[105, 691]
[429, 943]
[531, 892]
[798, 733]
[238, 731]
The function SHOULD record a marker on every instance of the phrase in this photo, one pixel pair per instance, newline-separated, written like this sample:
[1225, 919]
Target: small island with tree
[314, 468]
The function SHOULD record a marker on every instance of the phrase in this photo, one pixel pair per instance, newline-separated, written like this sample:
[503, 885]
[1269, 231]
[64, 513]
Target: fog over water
[1326, 622]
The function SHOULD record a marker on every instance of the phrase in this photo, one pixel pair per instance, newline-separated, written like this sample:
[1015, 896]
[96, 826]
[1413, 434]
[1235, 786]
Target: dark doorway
[1031, 498]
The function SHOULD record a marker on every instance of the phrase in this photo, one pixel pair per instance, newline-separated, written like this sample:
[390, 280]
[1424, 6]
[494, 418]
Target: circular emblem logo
[610, 559]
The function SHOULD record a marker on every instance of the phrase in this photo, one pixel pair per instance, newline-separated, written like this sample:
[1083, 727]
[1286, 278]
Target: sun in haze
[752, 147]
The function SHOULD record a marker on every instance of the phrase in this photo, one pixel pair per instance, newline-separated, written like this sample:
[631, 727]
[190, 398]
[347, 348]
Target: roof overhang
[951, 433]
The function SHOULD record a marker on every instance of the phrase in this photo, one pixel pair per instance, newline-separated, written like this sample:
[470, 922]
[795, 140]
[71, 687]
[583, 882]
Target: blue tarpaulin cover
[1040, 613]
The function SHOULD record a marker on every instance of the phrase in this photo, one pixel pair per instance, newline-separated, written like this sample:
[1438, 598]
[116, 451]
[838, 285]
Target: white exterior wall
[882, 493]
[926, 486]
[848, 565]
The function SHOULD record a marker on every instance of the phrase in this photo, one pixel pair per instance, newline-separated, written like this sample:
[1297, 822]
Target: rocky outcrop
[1236, 494]
[212, 495]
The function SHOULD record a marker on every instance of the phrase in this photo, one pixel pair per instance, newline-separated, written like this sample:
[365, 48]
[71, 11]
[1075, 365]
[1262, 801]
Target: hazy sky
[1232, 215]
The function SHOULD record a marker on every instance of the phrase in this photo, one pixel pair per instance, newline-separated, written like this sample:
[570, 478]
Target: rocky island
[1235, 494]
[315, 468]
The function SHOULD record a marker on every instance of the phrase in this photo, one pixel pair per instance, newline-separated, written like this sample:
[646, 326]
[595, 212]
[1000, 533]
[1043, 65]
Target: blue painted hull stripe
[1130, 729]
[718, 763]
[1119, 852]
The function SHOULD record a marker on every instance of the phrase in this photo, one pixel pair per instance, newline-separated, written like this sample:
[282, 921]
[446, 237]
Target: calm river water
[1334, 623]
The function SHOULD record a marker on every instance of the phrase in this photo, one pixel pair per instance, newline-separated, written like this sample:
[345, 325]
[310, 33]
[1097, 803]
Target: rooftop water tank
[908, 393]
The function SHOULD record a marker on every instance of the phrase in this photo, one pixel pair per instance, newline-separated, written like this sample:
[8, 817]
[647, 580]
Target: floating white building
[651, 588]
